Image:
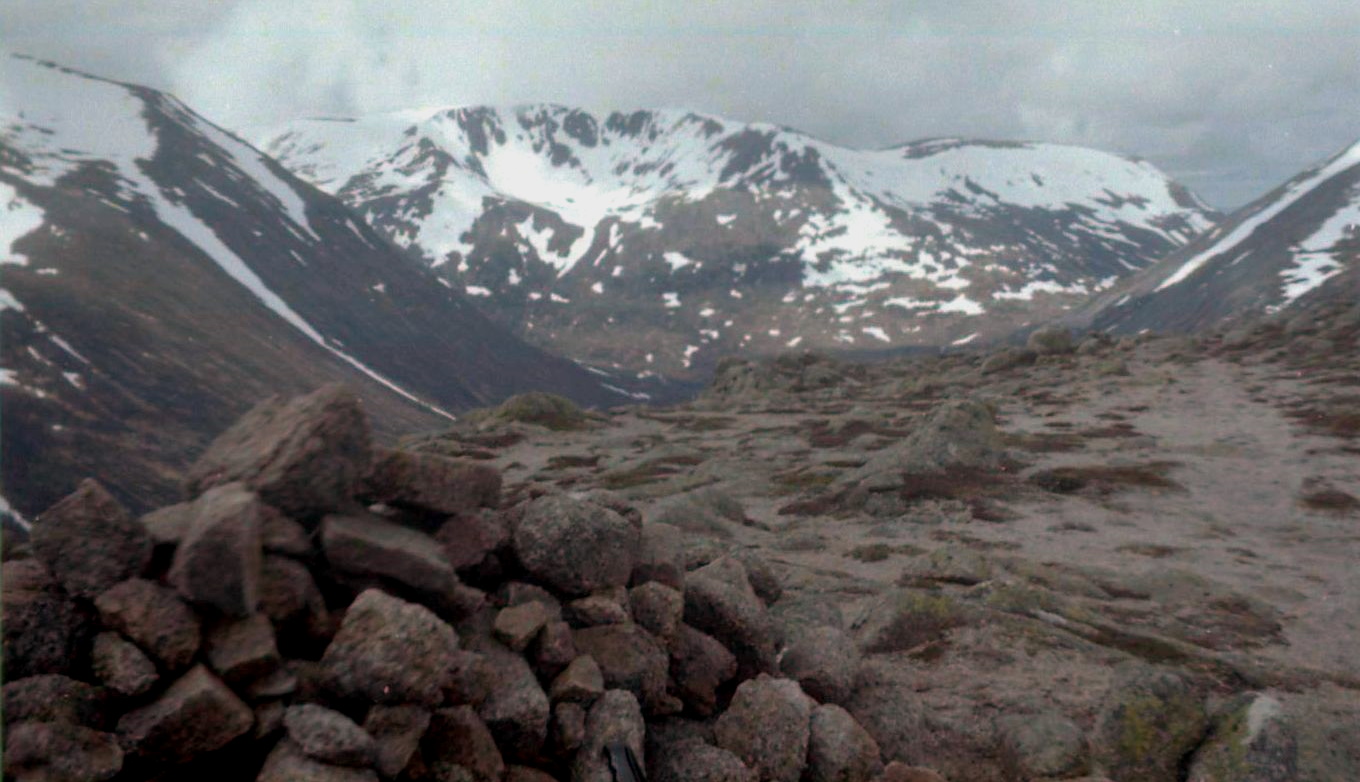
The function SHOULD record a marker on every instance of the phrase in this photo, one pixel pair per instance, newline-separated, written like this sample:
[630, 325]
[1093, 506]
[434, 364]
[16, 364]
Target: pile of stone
[324, 609]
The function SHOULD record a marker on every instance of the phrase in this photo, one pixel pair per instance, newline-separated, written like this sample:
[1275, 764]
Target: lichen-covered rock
[42, 625]
[328, 736]
[1252, 740]
[458, 737]
[629, 658]
[892, 711]
[121, 666]
[516, 709]
[431, 483]
[194, 716]
[719, 601]
[1007, 358]
[1044, 745]
[542, 409]
[60, 752]
[658, 609]
[305, 456]
[767, 726]
[154, 618]
[903, 619]
[390, 651]
[700, 664]
[824, 661]
[1150, 720]
[839, 749]
[575, 547]
[369, 546]
[615, 717]
[89, 542]
[661, 556]
[957, 434]
[240, 650]
[288, 763]
[581, 682]
[54, 698]
[217, 564]
[695, 761]
[396, 732]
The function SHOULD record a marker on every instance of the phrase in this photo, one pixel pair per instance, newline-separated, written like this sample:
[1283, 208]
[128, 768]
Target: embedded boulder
[1150, 721]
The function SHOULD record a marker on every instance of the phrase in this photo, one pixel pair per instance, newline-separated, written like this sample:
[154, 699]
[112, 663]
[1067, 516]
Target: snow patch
[18, 218]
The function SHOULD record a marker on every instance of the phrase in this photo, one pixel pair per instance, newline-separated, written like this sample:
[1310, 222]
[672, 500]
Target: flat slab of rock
[370, 546]
[217, 564]
[390, 651]
[768, 727]
[196, 715]
[305, 456]
[429, 482]
[575, 547]
[155, 618]
[89, 542]
[328, 736]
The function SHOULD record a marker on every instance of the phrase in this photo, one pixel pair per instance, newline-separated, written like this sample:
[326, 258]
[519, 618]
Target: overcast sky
[1230, 96]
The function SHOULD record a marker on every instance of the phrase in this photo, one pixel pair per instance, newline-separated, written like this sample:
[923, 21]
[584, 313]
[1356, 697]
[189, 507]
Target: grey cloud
[1231, 97]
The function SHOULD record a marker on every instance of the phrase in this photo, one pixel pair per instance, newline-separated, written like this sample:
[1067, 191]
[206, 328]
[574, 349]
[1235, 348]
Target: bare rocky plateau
[1090, 559]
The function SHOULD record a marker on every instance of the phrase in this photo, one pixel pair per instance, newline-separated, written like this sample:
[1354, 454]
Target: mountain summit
[661, 240]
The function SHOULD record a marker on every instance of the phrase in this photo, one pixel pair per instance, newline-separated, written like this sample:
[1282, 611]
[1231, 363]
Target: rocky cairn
[320, 608]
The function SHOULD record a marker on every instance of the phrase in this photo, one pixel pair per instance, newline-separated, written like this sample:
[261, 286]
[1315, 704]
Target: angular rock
[241, 650]
[304, 457]
[513, 593]
[195, 715]
[898, 771]
[1044, 745]
[60, 752]
[121, 666]
[629, 658]
[839, 749]
[575, 547]
[658, 609]
[167, 526]
[53, 698]
[719, 601]
[289, 595]
[554, 649]
[767, 726]
[1253, 740]
[389, 651]
[217, 564]
[824, 661]
[604, 608]
[516, 626]
[568, 727]
[89, 542]
[42, 625]
[661, 556]
[471, 678]
[288, 763]
[1148, 723]
[328, 736]
[370, 546]
[458, 737]
[432, 483]
[581, 682]
[615, 717]
[700, 665]
[281, 535]
[469, 538]
[396, 732]
[279, 683]
[154, 618]
[269, 720]
[696, 761]
[516, 710]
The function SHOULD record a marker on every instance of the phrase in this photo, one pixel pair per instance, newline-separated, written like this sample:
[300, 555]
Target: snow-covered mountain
[1300, 240]
[158, 276]
[661, 240]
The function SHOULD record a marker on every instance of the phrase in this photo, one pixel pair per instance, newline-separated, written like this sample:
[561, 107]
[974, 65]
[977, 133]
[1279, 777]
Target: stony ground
[1184, 503]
